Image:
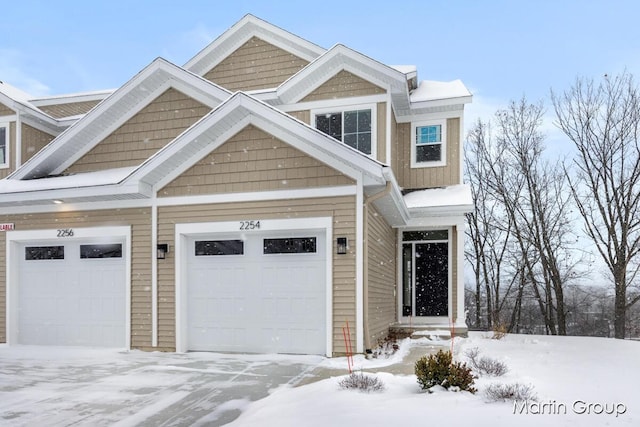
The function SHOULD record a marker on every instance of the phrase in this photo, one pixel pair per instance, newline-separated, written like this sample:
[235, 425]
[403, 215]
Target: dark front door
[431, 279]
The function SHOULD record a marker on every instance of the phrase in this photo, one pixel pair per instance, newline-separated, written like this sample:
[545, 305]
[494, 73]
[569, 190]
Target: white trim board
[301, 193]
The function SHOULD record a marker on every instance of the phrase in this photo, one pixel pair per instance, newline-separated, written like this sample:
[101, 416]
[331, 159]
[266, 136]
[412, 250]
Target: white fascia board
[240, 33]
[440, 211]
[437, 221]
[105, 192]
[256, 196]
[441, 104]
[331, 103]
[72, 97]
[452, 113]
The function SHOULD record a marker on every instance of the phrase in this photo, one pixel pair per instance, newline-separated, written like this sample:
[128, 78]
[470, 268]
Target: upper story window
[4, 145]
[429, 144]
[353, 126]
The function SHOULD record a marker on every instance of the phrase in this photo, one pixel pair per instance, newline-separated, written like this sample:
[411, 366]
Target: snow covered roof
[14, 93]
[429, 90]
[405, 69]
[79, 180]
[445, 198]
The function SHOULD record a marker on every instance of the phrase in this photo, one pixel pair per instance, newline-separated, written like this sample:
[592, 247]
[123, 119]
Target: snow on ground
[58, 386]
[577, 381]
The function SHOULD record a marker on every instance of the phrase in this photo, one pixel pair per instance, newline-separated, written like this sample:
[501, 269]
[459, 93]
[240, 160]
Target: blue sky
[502, 50]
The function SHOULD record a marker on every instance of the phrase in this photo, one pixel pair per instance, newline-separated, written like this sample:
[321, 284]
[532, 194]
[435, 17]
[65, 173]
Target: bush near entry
[439, 369]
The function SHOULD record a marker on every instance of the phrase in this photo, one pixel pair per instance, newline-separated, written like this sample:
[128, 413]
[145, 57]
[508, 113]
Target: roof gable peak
[114, 111]
[242, 31]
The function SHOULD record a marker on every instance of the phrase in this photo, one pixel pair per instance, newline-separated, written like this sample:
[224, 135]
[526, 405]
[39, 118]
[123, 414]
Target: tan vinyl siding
[33, 140]
[255, 65]
[253, 160]
[343, 85]
[69, 109]
[6, 111]
[144, 134]
[10, 151]
[341, 209]
[303, 116]
[381, 276]
[415, 178]
[140, 222]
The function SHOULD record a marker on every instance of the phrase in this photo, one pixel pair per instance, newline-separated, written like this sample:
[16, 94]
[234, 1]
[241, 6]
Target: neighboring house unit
[254, 200]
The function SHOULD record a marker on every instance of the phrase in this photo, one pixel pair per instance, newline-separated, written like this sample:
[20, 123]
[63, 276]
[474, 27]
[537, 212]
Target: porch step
[433, 333]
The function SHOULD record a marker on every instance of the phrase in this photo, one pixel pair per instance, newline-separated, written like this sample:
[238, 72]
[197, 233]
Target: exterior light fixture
[342, 245]
[58, 202]
[163, 250]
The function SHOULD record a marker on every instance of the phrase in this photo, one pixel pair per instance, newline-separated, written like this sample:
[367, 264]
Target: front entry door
[431, 279]
[425, 279]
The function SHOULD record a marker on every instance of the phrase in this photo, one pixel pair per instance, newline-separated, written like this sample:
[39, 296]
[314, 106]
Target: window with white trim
[4, 145]
[429, 144]
[354, 126]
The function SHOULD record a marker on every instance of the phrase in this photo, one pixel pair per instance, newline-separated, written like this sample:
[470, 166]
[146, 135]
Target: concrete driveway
[94, 387]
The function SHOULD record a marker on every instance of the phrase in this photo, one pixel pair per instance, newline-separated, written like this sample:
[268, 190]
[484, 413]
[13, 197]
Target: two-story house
[256, 199]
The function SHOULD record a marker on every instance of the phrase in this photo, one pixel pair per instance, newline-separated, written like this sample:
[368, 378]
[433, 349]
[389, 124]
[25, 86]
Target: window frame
[443, 144]
[7, 143]
[353, 107]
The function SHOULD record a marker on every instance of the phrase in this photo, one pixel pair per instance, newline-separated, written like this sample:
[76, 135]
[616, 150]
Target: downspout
[365, 295]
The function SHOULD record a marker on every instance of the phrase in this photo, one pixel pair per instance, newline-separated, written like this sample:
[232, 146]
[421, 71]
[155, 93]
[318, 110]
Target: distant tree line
[524, 244]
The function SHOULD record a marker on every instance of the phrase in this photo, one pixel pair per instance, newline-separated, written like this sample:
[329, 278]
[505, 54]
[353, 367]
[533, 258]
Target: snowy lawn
[578, 381]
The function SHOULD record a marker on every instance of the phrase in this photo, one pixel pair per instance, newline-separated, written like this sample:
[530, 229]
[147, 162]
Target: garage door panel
[72, 301]
[279, 303]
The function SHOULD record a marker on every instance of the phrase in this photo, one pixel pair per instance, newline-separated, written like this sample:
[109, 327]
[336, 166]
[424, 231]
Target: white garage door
[259, 293]
[72, 293]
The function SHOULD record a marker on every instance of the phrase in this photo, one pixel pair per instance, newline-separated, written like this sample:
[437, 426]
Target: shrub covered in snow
[439, 369]
[516, 391]
[362, 382]
[485, 365]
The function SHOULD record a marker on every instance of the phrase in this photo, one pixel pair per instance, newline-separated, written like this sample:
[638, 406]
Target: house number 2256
[249, 225]
[65, 232]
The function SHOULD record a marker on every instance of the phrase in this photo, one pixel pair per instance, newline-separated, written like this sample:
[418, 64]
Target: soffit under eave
[71, 196]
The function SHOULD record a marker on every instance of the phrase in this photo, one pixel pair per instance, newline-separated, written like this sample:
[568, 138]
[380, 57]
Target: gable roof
[233, 115]
[340, 58]
[114, 111]
[250, 26]
[20, 101]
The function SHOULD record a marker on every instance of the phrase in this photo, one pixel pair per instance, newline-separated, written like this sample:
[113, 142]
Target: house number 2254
[65, 232]
[249, 225]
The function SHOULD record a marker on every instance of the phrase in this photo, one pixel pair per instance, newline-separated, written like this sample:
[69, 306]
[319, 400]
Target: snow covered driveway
[70, 386]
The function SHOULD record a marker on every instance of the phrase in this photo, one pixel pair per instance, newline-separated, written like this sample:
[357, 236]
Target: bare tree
[603, 122]
[488, 232]
[534, 207]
